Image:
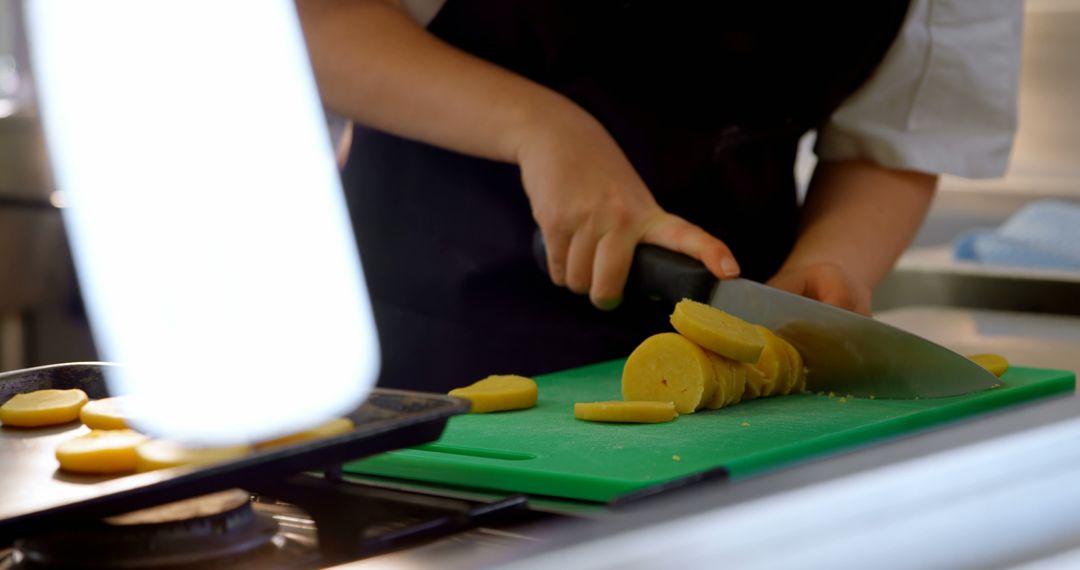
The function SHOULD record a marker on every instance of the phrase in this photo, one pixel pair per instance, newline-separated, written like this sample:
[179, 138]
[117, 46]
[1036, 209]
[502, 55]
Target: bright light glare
[205, 213]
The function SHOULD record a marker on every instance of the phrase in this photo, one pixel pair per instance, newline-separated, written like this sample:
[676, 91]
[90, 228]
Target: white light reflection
[205, 213]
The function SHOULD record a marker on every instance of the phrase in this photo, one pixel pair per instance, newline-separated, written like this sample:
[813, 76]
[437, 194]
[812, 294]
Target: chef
[609, 124]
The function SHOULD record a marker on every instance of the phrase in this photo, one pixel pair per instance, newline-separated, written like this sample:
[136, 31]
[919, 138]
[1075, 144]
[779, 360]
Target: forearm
[861, 217]
[375, 65]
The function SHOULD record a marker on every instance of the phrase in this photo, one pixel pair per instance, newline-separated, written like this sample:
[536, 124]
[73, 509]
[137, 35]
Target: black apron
[708, 101]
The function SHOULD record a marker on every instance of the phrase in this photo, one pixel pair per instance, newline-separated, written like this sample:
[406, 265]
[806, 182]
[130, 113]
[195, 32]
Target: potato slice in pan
[106, 413]
[161, 454]
[336, 426]
[43, 408]
[100, 451]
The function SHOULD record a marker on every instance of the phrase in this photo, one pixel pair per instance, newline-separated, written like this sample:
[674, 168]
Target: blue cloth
[1043, 234]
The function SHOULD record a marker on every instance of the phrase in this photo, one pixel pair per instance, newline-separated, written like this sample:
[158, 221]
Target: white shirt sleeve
[423, 11]
[943, 100]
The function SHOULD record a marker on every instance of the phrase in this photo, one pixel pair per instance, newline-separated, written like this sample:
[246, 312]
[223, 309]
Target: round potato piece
[728, 387]
[995, 363]
[626, 412]
[499, 393]
[798, 369]
[335, 426]
[773, 364]
[739, 373]
[43, 408]
[161, 454]
[755, 382]
[668, 367]
[106, 413]
[100, 452]
[718, 331]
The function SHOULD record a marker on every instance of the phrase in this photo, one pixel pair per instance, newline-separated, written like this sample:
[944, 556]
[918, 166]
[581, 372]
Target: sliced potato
[799, 369]
[790, 377]
[626, 412]
[711, 388]
[995, 363]
[43, 408]
[499, 393]
[106, 413]
[668, 367]
[100, 451]
[755, 382]
[773, 364]
[160, 454]
[722, 382]
[335, 426]
[724, 334]
[739, 372]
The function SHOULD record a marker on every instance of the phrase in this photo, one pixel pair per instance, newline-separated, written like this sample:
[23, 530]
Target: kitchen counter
[928, 500]
[1043, 341]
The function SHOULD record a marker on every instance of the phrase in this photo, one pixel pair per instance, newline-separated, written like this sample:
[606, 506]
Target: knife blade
[844, 352]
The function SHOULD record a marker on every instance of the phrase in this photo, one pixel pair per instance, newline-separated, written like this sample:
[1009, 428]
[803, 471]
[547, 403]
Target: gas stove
[324, 521]
[296, 509]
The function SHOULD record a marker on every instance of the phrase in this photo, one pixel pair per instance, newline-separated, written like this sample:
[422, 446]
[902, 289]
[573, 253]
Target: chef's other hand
[825, 282]
[593, 209]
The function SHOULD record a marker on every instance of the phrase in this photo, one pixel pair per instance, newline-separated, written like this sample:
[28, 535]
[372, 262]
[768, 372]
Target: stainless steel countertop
[1025, 339]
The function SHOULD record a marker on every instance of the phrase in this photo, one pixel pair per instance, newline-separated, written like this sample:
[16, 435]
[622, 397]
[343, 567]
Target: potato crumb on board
[842, 400]
[745, 424]
[832, 394]
[872, 397]
[676, 458]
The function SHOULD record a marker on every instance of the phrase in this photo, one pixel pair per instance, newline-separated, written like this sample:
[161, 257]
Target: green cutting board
[545, 451]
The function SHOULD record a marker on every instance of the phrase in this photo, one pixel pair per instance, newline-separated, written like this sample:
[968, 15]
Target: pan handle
[656, 273]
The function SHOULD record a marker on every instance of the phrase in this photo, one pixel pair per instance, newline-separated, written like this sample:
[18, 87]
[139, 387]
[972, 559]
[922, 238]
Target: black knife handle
[655, 273]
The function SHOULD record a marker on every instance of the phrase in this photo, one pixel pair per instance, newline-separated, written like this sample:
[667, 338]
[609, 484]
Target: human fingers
[556, 246]
[611, 266]
[579, 260]
[674, 233]
[830, 284]
[792, 282]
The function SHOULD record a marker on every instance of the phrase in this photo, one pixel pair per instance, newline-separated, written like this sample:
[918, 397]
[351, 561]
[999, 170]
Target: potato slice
[100, 451]
[626, 412]
[161, 454]
[106, 413]
[754, 386]
[43, 408]
[499, 393]
[335, 426]
[730, 381]
[711, 388]
[773, 364]
[668, 367]
[722, 382]
[717, 331]
[798, 369]
[739, 372]
[995, 363]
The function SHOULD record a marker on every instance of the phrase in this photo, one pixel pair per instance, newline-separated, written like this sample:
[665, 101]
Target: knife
[844, 352]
